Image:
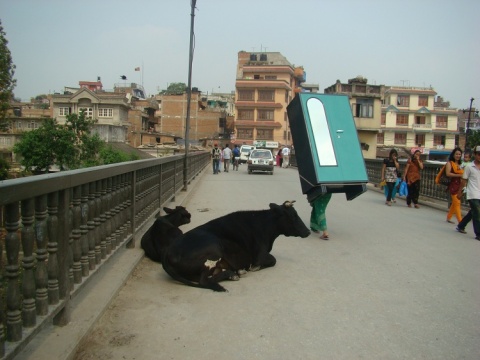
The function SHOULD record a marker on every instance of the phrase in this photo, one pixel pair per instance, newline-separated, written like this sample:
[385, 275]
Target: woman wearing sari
[454, 171]
[412, 177]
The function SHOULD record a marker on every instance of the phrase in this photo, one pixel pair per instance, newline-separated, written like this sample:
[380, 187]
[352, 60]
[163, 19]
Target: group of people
[464, 178]
[225, 156]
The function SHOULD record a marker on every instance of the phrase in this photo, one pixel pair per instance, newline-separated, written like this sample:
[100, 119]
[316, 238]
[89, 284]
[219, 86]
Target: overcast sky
[418, 43]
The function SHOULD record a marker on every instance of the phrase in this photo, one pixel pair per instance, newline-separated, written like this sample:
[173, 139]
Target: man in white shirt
[471, 178]
[227, 155]
[286, 157]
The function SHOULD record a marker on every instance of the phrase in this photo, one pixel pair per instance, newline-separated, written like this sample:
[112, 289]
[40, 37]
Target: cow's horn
[289, 203]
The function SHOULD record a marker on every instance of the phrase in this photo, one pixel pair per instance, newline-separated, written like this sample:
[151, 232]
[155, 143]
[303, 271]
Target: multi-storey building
[210, 115]
[366, 103]
[410, 119]
[265, 84]
[109, 109]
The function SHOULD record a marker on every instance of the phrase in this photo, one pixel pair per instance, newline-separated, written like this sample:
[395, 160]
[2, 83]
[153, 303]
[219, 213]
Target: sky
[417, 43]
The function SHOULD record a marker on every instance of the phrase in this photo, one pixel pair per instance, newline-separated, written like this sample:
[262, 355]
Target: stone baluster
[28, 283]
[84, 231]
[108, 215]
[12, 247]
[41, 276]
[52, 267]
[76, 234]
[101, 191]
[91, 226]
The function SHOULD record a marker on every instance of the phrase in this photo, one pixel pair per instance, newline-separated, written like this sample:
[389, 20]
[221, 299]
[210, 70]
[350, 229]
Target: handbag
[403, 191]
[442, 178]
[382, 183]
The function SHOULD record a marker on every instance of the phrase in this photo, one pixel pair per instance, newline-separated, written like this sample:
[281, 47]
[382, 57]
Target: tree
[473, 139]
[69, 146]
[175, 88]
[49, 145]
[7, 82]
[4, 167]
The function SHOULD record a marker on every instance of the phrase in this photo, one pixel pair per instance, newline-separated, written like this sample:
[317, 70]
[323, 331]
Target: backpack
[442, 178]
[216, 153]
[236, 152]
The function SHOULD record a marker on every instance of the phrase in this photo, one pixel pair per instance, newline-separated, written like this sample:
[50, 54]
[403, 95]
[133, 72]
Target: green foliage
[69, 146]
[109, 155]
[175, 88]
[473, 139]
[49, 145]
[4, 167]
[7, 82]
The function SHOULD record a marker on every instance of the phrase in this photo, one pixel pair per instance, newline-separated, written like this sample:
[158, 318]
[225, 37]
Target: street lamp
[468, 123]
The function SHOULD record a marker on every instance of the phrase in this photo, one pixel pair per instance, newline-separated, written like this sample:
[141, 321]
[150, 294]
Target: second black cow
[228, 246]
[163, 231]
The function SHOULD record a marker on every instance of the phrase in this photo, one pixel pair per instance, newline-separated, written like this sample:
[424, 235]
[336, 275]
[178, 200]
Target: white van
[245, 153]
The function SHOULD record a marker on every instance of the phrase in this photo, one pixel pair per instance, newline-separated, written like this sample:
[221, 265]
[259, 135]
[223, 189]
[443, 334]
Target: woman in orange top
[454, 171]
[412, 177]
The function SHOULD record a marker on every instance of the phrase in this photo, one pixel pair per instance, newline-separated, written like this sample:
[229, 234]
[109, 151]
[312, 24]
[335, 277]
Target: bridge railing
[428, 188]
[57, 230]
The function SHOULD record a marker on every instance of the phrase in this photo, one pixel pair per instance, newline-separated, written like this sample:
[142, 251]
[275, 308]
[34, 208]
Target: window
[32, 125]
[400, 138]
[423, 100]
[266, 95]
[420, 120]
[63, 111]
[402, 120]
[441, 122]
[270, 77]
[245, 114]
[438, 140]
[265, 134]
[256, 77]
[6, 140]
[265, 115]
[245, 133]
[246, 95]
[420, 140]
[363, 108]
[105, 113]
[403, 100]
[88, 112]
[381, 138]
[383, 120]
[19, 124]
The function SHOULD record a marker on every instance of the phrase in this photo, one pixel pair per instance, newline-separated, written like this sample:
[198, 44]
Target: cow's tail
[170, 270]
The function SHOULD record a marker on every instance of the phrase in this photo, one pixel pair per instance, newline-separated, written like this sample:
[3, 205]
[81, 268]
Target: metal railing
[57, 230]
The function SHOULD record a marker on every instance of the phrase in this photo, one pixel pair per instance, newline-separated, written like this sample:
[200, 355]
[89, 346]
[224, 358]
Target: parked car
[260, 160]
[245, 152]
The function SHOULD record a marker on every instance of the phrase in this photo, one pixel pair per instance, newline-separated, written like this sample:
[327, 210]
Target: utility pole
[189, 99]
[468, 123]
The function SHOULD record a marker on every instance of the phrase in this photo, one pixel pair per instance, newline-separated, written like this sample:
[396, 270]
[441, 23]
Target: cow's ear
[274, 206]
[167, 210]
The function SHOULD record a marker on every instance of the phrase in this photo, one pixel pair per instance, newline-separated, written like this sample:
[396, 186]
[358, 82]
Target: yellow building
[265, 84]
[411, 118]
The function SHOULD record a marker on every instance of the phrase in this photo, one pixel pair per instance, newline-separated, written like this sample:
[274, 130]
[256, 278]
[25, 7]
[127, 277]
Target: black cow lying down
[163, 230]
[226, 247]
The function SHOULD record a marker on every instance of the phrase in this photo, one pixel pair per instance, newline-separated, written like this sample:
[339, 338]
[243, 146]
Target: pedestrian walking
[390, 168]
[467, 159]
[216, 154]
[454, 172]
[236, 157]
[285, 157]
[227, 154]
[318, 218]
[412, 177]
[471, 179]
[279, 158]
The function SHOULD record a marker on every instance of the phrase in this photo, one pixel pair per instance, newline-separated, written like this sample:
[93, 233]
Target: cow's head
[289, 221]
[178, 216]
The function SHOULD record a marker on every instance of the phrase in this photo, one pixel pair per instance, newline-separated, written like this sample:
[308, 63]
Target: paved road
[392, 283]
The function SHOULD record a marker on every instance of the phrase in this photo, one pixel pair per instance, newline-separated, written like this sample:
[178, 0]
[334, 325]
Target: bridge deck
[391, 283]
